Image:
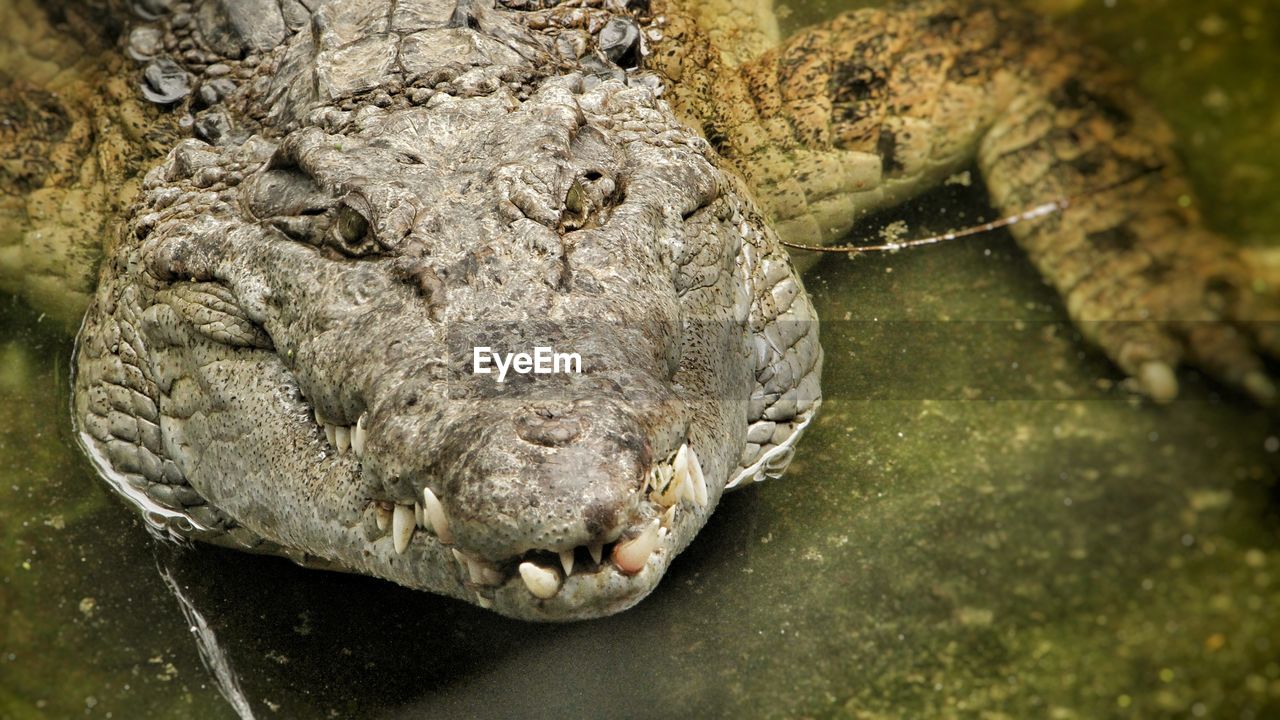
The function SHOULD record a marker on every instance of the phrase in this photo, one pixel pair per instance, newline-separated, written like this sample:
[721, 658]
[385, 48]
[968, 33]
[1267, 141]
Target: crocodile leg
[741, 30]
[73, 145]
[880, 104]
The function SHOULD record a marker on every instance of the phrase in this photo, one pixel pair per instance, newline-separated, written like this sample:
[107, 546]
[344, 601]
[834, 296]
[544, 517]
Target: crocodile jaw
[278, 355]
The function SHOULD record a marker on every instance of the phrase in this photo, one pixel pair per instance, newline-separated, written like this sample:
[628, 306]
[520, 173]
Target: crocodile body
[310, 215]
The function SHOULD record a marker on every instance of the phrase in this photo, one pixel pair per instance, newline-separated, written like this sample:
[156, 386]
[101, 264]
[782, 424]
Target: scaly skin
[881, 104]
[275, 297]
[74, 142]
[277, 356]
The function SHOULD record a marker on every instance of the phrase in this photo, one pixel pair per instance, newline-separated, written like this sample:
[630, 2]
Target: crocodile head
[282, 354]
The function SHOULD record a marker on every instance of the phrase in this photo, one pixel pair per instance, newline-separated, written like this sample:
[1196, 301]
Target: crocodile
[286, 228]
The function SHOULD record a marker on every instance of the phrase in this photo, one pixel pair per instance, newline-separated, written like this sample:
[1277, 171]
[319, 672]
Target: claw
[1159, 382]
[1259, 387]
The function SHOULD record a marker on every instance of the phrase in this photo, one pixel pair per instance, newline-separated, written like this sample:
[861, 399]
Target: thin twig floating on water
[1034, 213]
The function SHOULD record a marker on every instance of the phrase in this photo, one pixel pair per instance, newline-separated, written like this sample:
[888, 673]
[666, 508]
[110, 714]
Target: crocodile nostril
[548, 425]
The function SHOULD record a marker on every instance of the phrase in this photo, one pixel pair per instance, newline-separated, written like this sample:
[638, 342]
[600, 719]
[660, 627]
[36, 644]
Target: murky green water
[980, 524]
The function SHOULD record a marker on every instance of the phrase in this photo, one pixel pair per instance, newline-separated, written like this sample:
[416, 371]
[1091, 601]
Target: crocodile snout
[540, 485]
[549, 424]
[518, 477]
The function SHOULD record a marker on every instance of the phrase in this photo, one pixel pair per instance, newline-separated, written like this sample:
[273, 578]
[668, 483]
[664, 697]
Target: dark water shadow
[308, 643]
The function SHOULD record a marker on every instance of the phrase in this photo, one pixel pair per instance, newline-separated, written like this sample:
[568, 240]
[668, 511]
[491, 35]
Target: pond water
[981, 523]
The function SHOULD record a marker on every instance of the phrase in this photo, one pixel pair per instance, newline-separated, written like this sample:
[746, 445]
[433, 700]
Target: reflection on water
[211, 652]
[943, 546]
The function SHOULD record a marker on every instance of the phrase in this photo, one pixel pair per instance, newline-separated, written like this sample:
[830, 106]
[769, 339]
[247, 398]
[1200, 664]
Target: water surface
[981, 523]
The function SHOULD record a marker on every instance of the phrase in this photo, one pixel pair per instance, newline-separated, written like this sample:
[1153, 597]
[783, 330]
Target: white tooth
[315, 412]
[678, 486]
[687, 482]
[681, 464]
[542, 582]
[331, 434]
[631, 556]
[597, 551]
[697, 485]
[566, 562]
[480, 572]
[686, 491]
[382, 514]
[660, 478]
[669, 516]
[484, 602]
[417, 515]
[491, 576]
[435, 515]
[460, 556]
[675, 489]
[402, 527]
[358, 436]
[343, 435]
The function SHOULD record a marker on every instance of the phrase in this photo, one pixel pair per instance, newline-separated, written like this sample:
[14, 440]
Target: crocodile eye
[350, 233]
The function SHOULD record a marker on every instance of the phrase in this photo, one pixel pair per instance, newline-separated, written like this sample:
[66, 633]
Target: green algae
[982, 523]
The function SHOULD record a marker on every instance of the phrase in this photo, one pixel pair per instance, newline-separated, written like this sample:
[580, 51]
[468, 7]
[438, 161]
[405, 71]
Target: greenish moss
[983, 522]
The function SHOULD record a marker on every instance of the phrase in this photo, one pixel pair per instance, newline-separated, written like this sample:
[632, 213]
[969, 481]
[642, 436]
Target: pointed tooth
[631, 556]
[660, 478]
[669, 516]
[331, 434]
[697, 484]
[542, 582]
[680, 465]
[382, 514]
[676, 488]
[343, 435]
[673, 479]
[484, 602]
[478, 571]
[481, 572]
[679, 485]
[358, 436]
[418, 519]
[685, 491]
[566, 562]
[402, 527]
[597, 552]
[315, 413]
[434, 511]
